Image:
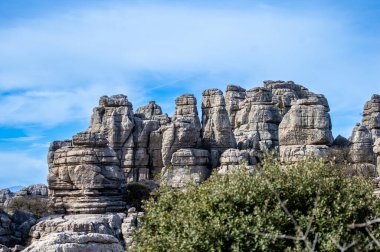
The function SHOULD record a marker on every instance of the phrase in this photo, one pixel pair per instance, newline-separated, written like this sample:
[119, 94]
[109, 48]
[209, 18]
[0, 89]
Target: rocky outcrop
[184, 130]
[14, 227]
[233, 159]
[86, 177]
[376, 150]
[84, 232]
[114, 120]
[38, 190]
[54, 146]
[361, 153]
[217, 135]
[187, 165]
[257, 120]
[305, 129]
[285, 92]
[234, 96]
[5, 194]
[129, 226]
[371, 116]
[68, 241]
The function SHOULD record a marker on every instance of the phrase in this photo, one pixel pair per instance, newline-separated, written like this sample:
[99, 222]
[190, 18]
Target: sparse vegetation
[38, 206]
[307, 206]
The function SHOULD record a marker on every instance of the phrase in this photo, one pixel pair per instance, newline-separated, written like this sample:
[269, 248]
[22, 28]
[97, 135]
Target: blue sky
[58, 57]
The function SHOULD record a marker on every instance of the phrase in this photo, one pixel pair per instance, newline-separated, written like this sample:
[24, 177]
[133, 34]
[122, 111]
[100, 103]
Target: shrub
[136, 193]
[283, 207]
[38, 206]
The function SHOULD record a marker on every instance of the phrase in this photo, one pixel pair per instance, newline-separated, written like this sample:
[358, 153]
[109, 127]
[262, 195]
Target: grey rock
[70, 242]
[40, 190]
[361, 152]
[5, 194]
[305, 129]
[4, 248]
[341, 142]
[257, 120]
[216, 128]
[184, 130]
[371, 116]
[114, 119]
[86, 177]
[376, 150]
[234, 96]
[233, 159]
[188, 166]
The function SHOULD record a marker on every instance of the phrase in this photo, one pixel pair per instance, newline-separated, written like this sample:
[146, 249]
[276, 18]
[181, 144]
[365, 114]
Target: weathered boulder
[371, 116]
[234, 96]
[86, 177]
[39, 190]
[70, 242]
[4, 248]
[5, 194]
[257, 120]
[188, 165]
[114, 119]
[361, 152]
[184, 130]
[14, 227]
[233, 159]
[305, 129]
[55, 145]
[129, 226]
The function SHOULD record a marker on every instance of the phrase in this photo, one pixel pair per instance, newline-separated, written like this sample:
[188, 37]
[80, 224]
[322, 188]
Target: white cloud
[65, 61]
[21, 168]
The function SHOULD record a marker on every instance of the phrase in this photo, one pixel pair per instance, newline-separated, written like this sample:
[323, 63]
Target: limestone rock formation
[371, 116]
[38, 190]
[14, 227]
[361, 151]
[217, 135]
[233, 159]
[216, 127]
[257, 120]
[4, 248]
[234, 96]
[184, 130]
[285, 92]
[54, 146]
[376, 150]
[69, 241]
[305, 129]
[114, 120]
[86, 177]
[188, 165]
[5, 194]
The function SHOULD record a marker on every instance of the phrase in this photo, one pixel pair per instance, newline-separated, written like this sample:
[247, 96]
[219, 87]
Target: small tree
[309, 205]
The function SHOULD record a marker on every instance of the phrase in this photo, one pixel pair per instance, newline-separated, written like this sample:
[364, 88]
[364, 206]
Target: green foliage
[269, 211]
[38, 206]
[136, 193]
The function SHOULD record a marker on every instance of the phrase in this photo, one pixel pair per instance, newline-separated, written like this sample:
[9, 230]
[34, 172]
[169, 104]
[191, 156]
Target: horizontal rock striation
[371, 116]
[86, 177]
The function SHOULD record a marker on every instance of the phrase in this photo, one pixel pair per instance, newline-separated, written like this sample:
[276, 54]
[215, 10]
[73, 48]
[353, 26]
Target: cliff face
[120, 145]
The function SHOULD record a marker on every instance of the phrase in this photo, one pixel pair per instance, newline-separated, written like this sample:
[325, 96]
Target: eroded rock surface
[376, 150]
[306, 129]
[86, 177]
[371, 116]
[233, 159]
[113, 118]
[188, 165]
[184, 130]
[361, 152]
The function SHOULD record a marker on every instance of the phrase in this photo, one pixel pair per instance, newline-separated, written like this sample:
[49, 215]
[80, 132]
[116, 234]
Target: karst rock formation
[88, 174]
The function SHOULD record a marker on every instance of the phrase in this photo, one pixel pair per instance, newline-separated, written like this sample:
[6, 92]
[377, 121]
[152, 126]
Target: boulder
[361, 152]
[86, 177]
[376, 150]
[233, 159]
[305, 129]
[188, 165]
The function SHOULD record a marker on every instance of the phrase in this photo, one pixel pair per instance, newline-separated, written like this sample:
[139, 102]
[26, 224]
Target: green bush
[280, 208]
[136, 193]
